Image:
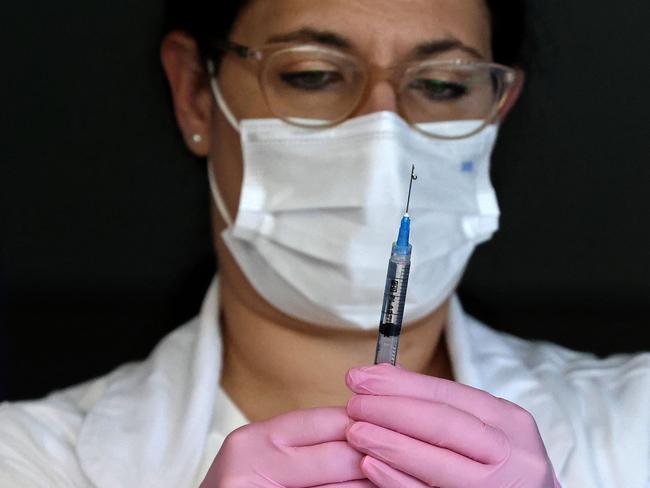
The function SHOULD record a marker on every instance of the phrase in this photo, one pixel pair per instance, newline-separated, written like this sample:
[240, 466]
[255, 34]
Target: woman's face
[383, 32]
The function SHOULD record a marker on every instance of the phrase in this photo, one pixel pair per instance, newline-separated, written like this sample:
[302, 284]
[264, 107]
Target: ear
[513, 95]
[190, 91]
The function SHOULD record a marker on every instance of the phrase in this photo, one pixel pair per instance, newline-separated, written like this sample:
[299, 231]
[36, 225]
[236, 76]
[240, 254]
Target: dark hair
[210, 20]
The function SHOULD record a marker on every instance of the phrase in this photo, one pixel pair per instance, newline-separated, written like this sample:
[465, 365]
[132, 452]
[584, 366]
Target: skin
[292, 365]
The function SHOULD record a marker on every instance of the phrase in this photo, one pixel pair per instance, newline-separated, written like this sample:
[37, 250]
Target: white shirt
[160, 423]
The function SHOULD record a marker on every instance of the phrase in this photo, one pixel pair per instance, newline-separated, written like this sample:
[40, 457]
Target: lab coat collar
[150, 426]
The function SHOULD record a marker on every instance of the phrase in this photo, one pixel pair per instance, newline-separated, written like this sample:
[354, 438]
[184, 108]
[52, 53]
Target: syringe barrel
[392, 310]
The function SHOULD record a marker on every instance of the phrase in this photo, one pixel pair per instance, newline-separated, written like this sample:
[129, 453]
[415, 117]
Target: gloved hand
[304, 448]
[420, 431]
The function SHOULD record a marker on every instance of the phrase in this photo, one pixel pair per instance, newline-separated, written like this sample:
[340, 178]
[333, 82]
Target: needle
[413, 178]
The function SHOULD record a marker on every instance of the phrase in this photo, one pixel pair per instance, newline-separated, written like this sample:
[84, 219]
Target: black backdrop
[105, 232]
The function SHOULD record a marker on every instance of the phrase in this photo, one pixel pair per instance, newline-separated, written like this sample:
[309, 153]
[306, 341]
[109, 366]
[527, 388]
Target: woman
[310, 115]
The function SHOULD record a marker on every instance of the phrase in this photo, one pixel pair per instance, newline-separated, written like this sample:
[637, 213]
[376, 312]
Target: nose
[380, 97]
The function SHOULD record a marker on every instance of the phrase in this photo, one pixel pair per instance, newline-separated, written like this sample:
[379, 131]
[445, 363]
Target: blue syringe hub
[402, 245]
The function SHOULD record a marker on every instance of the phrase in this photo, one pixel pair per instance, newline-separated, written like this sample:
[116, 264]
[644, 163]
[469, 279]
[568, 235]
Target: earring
[197, 138]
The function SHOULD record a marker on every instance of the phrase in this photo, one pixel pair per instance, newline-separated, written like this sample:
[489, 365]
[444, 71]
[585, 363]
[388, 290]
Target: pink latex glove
[421, 431]
[303, 448]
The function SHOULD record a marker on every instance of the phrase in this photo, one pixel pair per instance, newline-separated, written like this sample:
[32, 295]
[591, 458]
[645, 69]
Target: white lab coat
[159, 423]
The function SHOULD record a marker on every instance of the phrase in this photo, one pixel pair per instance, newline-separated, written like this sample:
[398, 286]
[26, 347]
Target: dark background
[105, 232]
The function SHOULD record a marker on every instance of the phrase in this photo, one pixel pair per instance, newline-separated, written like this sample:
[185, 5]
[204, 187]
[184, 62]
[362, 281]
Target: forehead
[380, 29]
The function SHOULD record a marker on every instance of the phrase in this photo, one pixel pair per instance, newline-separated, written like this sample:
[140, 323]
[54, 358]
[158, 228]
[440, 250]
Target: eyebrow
[422, 50]
[431, 48]
[307, 34]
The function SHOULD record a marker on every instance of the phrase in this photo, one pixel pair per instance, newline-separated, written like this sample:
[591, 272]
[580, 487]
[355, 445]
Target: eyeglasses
[314, 86]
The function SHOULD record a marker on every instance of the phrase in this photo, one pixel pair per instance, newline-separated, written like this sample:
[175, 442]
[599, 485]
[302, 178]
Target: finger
[435, 423]
[383, 379]
[308, 427]
[351, 484]
[434, 466]
[321, 464]
[383, 476]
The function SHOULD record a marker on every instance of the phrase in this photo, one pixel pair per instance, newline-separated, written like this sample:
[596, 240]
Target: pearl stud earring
[196, 138]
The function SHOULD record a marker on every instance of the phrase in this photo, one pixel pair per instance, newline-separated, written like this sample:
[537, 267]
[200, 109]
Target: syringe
[397, 278]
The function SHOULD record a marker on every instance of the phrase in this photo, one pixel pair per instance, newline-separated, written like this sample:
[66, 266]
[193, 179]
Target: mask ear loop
[225, 110]
[221, 102]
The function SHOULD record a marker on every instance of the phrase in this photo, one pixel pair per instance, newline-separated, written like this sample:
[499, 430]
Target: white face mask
[320, 208]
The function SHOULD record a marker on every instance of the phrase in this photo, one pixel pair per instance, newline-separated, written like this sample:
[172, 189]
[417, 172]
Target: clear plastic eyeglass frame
[495, 80]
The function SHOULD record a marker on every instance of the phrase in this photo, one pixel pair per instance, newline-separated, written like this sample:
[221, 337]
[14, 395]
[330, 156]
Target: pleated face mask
[319, 209]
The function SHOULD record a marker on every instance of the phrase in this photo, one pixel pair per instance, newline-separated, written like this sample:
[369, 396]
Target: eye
[311, 79]
[439, 90]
